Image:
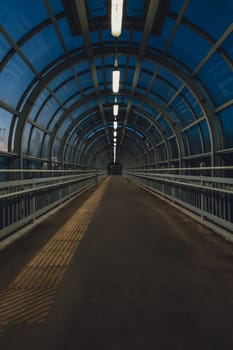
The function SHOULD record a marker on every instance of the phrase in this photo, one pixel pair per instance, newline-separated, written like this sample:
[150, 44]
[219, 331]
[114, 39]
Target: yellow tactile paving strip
[31, 294]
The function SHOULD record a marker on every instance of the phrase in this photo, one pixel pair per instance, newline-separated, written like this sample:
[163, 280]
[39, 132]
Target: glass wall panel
[5, 124]
[36, 143]
[174, 148]
[206, 135]
[218, 79]
[56, 147]
[193, 101]
[25, 138]
[194, 140]
[182, 109]
[47, 112]
[164, 124]
[71, 42]
[14, 79]
[29, 14]
[45, 150]
[5, 47]
[49, 48]
[38, 103]
[190, 55]
[213, 24]
[227, 123]
[61, 78]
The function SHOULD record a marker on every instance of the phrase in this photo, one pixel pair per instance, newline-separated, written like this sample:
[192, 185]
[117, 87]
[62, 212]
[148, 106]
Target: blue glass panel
[78, 111]
[174, 117]
[174, 148]
[64, 126]
[82, 66]
[47, 111]
[36, 142]
[68, 153]
[56, 6]
[150, 110]
[41, 99]
[164, 73]
[4, 47]
[161, 88]
[107, 36]
[206, 135]
[176, 5]
[132, 61]
[159, 42]
[137, 37]
[227, 122]
[19, 17]
[97, 8]
[55, 119]
[125, 36]
[98, 62]
[156, 135]
[71, 42]
[194, 140]
[49, 48]
[45, 148]
[85, 80]
[72, 101]
[129, 75]
[157, 99]
[183, 111]
[227, 45]
[193, 101]
[122, 61]
[145, 79]
[149, 65]
[65, 75]
[14, 79]
[164, 124]
[185, 140]
[135, 8]
[67, 90]
[218, 78]
[190, 55]
[56, 146]
[25, 138]
[93, 103]
[5, 124]
[94, 36]
[220, 14]
[72, 137]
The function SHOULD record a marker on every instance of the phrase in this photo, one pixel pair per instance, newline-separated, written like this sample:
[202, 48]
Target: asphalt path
[144, 276]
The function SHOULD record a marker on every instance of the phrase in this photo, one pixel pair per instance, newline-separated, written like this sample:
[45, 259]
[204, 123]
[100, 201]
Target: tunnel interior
[175, 99]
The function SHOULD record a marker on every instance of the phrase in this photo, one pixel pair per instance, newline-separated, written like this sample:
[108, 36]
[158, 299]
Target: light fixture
[115, 110]
[116, 17]
[115, 123]
[114, 139]
[115, 80]
[114, 133]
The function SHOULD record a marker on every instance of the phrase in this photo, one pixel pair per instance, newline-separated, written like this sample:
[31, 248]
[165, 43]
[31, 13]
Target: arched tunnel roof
[176, 83]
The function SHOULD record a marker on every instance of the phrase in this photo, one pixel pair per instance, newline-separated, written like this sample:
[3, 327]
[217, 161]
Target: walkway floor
[117, 269]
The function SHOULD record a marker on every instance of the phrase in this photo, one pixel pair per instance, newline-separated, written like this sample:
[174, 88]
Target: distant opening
[114, 169]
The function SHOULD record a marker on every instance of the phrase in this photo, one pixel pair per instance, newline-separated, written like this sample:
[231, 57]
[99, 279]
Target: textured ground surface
[140, 276]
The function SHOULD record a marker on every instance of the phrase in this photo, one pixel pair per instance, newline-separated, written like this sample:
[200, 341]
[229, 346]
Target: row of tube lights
[116, 27]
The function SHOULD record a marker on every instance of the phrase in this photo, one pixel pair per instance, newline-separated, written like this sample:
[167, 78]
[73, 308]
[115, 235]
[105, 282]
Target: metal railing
[198, 190]
[24, 201]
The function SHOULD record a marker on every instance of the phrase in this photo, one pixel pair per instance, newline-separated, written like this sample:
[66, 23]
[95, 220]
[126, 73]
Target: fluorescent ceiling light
[114, 133]
[115, 80]
[115, 110]
[116, 17]
[115, 125]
